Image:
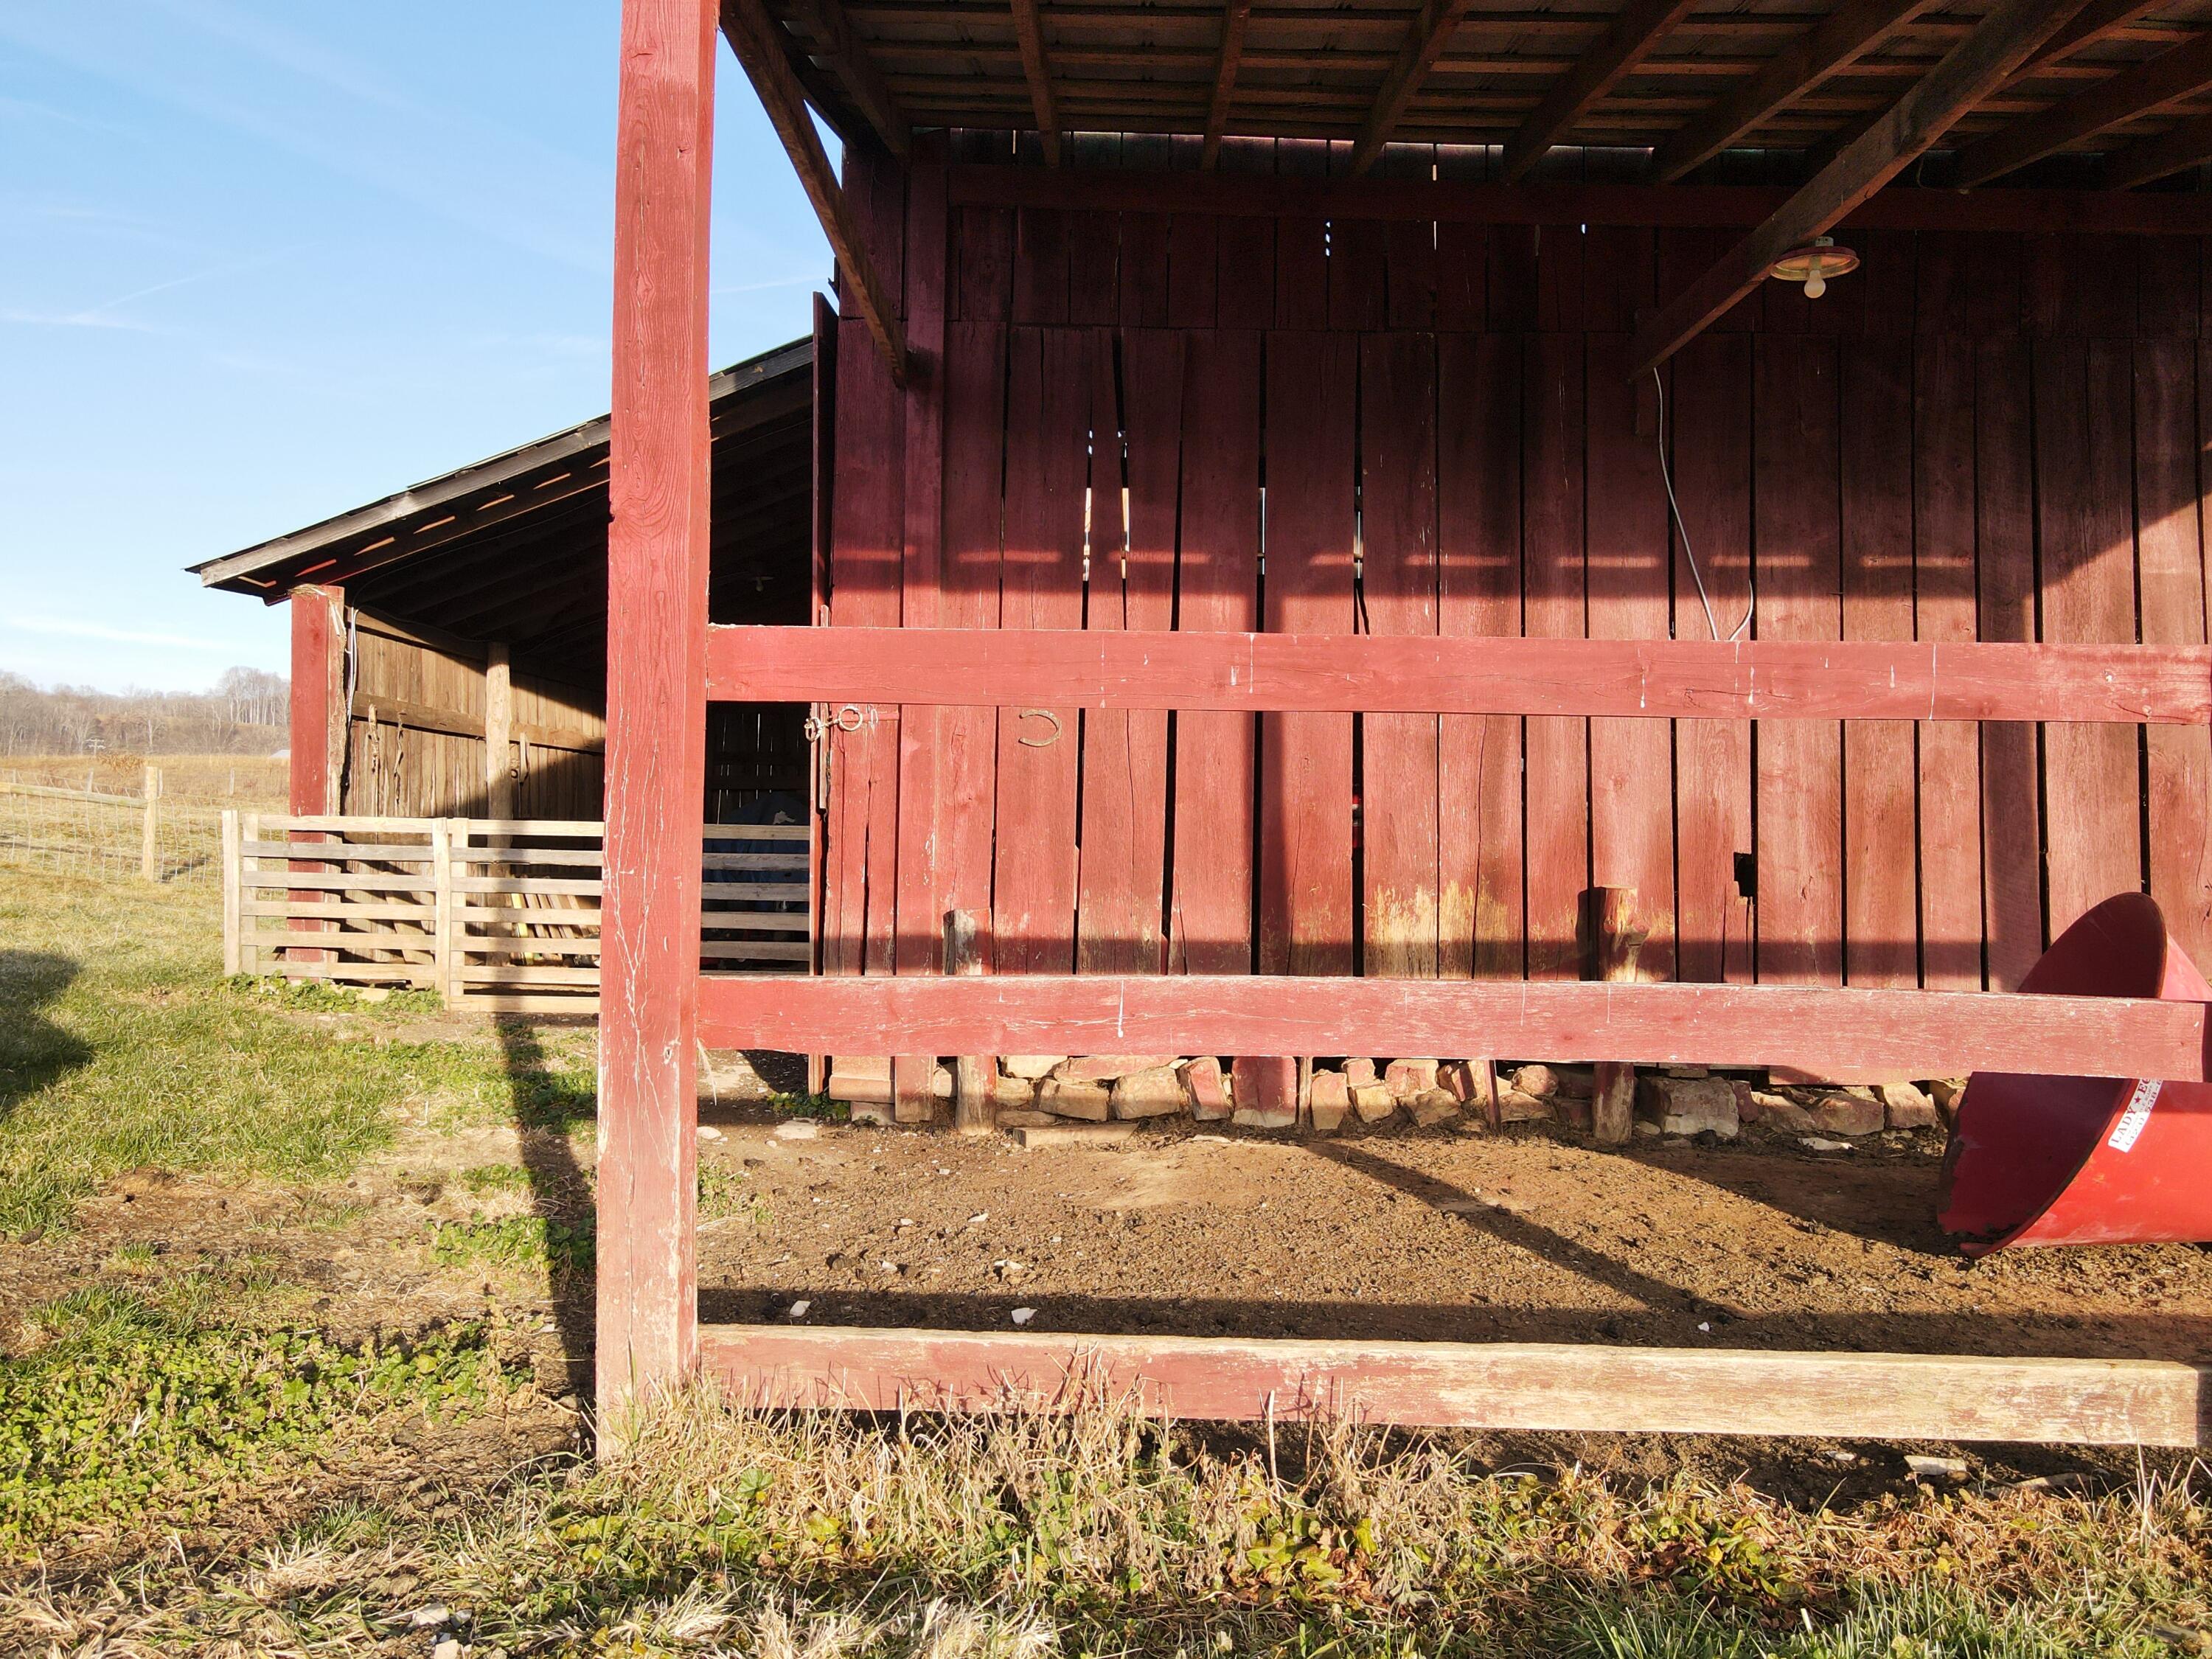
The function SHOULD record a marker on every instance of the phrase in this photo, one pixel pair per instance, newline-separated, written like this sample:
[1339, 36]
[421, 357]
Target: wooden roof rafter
[1029, 31]
[1984, 60]
[2132, 92]
[2159, 156]
[838, 44]
[1430, 30]
[753, 36]
[1636, 31]
[1234, 15]
[1851, 30]
[2093, 22]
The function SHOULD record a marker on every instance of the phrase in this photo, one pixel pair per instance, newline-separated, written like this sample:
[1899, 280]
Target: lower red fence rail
[1470, 1385]
[1687, 679]
[1911, 1033]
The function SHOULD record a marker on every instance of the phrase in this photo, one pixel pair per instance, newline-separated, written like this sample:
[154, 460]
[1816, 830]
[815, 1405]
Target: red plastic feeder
[2087, 1160]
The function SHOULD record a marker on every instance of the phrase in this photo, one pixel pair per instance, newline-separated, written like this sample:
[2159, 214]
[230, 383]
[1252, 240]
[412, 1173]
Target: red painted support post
[319, 716]
[318, 697]
[656, 709]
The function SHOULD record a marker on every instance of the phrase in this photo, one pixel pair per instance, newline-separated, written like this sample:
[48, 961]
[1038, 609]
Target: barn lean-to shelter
[1311, 491]
[458, 627]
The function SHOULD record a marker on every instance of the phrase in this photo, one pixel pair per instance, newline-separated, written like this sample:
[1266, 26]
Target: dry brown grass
[249, 782]
[1105, 1532]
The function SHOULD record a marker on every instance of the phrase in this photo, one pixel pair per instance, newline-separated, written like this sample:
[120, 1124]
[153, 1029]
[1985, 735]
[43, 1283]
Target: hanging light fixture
[1812, 264]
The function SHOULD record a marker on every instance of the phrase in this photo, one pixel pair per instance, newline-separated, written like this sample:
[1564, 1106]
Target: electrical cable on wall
[1688, 552]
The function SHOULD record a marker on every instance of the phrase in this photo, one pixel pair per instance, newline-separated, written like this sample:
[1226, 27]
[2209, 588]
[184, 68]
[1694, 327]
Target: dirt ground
[1531, 1234]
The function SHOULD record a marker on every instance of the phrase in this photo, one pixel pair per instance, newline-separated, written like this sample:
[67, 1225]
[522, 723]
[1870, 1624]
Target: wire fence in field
[80, 832]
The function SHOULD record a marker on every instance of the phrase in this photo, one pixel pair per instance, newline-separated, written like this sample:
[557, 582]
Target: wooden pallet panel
[1557, 747]
[1799, 763]
[1881, 909]
[1399, 754]
[1052, 376]
[1306, 899]
[2085, 547]
[1210, 882]
[1710, 432]
[1479, 857]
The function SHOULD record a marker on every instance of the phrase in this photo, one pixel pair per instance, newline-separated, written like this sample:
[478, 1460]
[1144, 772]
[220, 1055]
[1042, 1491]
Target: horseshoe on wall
[1038, 714]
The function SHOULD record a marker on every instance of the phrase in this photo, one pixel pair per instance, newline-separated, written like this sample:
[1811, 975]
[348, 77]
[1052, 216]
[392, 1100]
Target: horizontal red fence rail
[1501, 1385]
[1682, 679]
[1912, 1033]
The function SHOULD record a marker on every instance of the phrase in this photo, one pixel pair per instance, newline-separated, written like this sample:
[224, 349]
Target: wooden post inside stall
[657, 569]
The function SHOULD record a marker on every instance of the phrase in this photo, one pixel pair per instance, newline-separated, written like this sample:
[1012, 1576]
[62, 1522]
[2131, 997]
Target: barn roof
[513, 548]
[1556, 72]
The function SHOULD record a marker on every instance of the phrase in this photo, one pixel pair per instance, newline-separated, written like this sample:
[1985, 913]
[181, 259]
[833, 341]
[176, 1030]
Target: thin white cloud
[67, 628]
[74, 320]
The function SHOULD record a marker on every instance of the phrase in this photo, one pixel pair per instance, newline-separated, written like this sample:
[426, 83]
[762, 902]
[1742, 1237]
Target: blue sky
[261, 261]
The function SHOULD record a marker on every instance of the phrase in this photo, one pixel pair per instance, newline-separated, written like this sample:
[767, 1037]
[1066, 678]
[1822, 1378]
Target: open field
[246, 782]
[296, 1295]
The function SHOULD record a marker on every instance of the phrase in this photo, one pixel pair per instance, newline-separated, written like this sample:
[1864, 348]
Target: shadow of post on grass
[34, 1052]
[548, 1106]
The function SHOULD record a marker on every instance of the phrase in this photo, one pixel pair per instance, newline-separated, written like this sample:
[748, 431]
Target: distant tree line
[246, 714]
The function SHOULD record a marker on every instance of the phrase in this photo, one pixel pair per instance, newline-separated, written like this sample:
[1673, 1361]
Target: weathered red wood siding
[1978, 436]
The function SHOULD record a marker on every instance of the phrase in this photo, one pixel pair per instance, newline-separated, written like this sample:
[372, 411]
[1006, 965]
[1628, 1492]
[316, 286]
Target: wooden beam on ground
[2134, 91]
[1965, 75]
[1847, 33]
[2184, 145]
[1658, 679]
[658, 489]
[838, 44]
[1818, 1029]
[1426, 36]
[1638, 28]
[1580, 1387]
[1030, 33]
[1235, 13]
[752, 36]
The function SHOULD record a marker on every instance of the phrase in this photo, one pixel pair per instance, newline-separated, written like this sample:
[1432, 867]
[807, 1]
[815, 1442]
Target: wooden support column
[657, 542]
[319, 715]
[318, 700]
[498, 734]
[1610, 941]
[972, 1111]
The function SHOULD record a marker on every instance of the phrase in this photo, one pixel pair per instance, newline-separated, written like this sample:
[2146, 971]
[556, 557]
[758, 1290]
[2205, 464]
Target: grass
[1107, 1532]
[120, 1047]
[182, 1466]
[140, 1405]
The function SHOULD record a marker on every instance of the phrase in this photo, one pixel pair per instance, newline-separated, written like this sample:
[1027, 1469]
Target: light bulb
[1815, 283]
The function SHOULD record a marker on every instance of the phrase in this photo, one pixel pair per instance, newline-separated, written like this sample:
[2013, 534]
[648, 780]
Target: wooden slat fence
[497, 916]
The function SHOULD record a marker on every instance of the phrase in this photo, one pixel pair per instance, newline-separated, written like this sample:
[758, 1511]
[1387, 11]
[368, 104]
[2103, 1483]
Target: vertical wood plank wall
[1158, 420]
